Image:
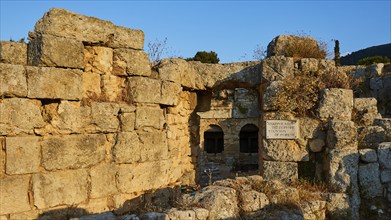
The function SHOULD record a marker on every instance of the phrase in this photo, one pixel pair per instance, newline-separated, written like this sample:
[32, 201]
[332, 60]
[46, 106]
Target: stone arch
[214, 139]
[248, 139]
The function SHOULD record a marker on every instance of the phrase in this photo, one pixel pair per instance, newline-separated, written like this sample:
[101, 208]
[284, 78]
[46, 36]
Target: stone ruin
[88, 125]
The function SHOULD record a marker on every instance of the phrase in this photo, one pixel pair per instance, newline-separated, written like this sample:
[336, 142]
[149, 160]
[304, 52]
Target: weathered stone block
[186, 73]
[342, 166]
[171, 69]
[142, 176]
[113, 88]
[385, 123]
[284, 150]
[104, 116]
[252, 200]
[284, 171]
[2, 156]
[91, 85]
[13, 80]
[342, 134]
[365, 111]
[20, 116]
[131, 62]
[23, 155]
[368, 155]
[276, 68]
[98, 59]
[369, 179]
[153, 145]
[149, 116]
[175, 214]
[222, 202]
[50, 50]
[338, 206]
[309, 64]
[170, 93]
[54, 83]
[13, 52]
[103, 180]
[384, 155]
[385, 176]
[127, 148]
[73, 151]
[127, 121]
[145, 90]
[88, 29]
[371, 136]
[314, 209]
[14, 194]
[336, 104]
[63, 187]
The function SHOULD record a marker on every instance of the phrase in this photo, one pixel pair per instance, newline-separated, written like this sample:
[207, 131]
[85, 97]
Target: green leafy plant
[205, 57]
[372, 60]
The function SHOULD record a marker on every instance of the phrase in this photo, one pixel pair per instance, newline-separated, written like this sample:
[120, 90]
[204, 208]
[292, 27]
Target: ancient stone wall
[86, 122]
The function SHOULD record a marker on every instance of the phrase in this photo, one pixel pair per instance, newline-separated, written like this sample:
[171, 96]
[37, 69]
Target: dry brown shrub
[305, 47]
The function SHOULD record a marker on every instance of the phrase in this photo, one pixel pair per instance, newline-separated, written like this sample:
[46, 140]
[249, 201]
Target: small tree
[156, 49]
[205, 57]
[337, 54]
[371, 60]
[259, 52]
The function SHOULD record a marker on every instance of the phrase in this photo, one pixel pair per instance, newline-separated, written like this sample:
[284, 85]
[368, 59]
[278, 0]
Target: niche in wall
[248, 139]
[214, 139]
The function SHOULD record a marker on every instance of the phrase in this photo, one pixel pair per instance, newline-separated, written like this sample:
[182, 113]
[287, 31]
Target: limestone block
[73, 151]
[13, 80]
[309, 64]
[375, 69]
[2, 156]
[127, 148]
[50, 50]
[104, 116]
[69, 116]
[13, 52]
[170, 93]
[23, 155]
[127, 121]
[103, 180]
[338, 206]
[145, 90]
[96, 205]
[368, 155]
[185, 73]
[32, 214]
[284, 150]
[54, 83]
[369, 179]
[221, 202]
[385, 123]
[216, 113]
[91, 85]
[270, 99]
[113, 88]
[365, 111]
[276, 68]
[385, 176]
[252, 200]
[341, 168]
[67, 24]
[171, 69]
[141, 177]
[314, 209]
[175, 214]
[284, 171]
[376, 83]
[28, 116]
[153, 145]
[131, 62]
[149, 116]
[63, 187]
[336, 104]
[384, 155]
[98, 59]
[14, 194]
[371, 136]
[342, 134]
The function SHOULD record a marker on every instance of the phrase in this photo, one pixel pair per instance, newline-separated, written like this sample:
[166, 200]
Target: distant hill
[381, 50]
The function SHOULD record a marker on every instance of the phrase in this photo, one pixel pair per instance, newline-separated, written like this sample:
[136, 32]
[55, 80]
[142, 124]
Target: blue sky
[230, 28]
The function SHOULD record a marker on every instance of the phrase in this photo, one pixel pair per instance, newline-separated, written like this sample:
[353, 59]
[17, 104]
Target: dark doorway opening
[249, 139]
[214, 140]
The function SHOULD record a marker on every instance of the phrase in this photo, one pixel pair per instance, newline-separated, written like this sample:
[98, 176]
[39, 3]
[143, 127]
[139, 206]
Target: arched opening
[249, 139]
[214, 139]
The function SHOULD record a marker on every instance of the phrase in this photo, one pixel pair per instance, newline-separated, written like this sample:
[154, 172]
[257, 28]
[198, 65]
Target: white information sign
[282, 129]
